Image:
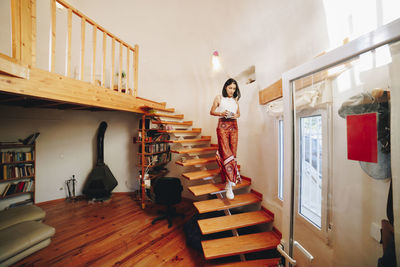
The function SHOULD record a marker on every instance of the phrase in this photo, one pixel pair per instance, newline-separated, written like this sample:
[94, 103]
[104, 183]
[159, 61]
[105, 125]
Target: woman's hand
[225, 114]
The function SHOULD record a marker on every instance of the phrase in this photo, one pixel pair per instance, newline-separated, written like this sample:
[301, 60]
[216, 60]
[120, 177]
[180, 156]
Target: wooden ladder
[198, 159]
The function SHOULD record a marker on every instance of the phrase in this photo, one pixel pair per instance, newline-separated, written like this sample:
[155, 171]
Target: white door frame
[381, 36]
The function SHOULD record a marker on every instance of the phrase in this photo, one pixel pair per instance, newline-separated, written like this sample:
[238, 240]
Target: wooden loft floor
[33, 87]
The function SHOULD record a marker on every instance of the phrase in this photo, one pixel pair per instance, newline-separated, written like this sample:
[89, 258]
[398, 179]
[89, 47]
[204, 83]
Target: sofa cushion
[19, 237]
[20, 214]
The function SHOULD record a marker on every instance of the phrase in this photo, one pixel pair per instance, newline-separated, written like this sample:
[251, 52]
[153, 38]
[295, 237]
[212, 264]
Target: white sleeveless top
[227, 103]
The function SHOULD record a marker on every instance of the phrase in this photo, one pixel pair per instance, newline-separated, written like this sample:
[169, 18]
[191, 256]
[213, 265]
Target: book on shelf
[15, 156]
[147, 123]
[20, 187]
[3, 194]
[17, 171]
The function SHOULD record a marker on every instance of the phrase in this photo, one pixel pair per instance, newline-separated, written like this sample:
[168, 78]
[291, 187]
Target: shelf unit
[17, 172]
[151, 151]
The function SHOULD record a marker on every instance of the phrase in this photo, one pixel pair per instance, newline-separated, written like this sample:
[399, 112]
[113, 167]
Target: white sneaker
[229, 192]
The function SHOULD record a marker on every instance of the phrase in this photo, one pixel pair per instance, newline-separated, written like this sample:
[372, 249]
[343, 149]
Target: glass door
[341, 162]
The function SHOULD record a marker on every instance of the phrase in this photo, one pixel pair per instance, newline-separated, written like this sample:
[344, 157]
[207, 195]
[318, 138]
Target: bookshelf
[154, 152]
[17, 174]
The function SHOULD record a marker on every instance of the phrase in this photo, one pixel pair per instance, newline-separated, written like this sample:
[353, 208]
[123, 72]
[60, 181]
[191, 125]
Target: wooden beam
[69, 38]
[23, 25]
[11, 99]
[16, 29]
[136, 71]
[49, 105]
[272, 92]
[11, 68]
[26, 32]
[33, 30]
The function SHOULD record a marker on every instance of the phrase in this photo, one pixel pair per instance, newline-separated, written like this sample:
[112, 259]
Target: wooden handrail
[24, 22]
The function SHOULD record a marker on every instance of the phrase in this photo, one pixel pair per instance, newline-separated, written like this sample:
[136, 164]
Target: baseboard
[270, 213]
[256, 193]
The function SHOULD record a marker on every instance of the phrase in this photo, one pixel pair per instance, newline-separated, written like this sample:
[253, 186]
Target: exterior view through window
[280, 160]
[311, 168]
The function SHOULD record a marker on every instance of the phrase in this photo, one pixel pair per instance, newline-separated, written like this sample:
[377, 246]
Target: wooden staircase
[198, 159]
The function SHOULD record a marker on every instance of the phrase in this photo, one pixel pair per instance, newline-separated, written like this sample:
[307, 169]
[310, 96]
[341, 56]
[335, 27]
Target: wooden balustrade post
[120, 68]
[127, 70]
[112, 63]
[83, 33]
[52, 57]
[69, 33]
[136, 71]
[103, 76]
[94, 54]
[23, 23]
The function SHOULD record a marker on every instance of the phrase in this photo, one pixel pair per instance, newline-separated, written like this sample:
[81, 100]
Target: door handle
[305, 252]
[284, 254]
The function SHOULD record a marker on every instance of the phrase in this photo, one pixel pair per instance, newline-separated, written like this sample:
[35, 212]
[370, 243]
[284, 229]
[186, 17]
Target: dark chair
[167, 191]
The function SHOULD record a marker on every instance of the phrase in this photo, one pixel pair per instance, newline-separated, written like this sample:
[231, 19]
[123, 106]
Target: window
[311, 168]
[280, 160]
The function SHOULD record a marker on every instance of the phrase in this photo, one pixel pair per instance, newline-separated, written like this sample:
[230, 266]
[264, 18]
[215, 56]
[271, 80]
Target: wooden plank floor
[113, 233]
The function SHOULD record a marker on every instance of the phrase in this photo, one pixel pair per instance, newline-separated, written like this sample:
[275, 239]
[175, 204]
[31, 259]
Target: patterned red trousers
[227, 133]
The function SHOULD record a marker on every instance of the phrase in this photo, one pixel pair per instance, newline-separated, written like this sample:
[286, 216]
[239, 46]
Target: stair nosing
[194, 140]
[192, 162]
[195, 150]
[213, 173]
[218, 187]
[228, 204]
[236, 240]
[226, 220]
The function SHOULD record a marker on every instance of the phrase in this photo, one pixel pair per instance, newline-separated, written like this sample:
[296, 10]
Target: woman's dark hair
[236, 94]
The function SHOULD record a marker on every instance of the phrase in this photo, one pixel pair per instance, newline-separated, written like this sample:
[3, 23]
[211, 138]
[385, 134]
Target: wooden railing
[24, 45]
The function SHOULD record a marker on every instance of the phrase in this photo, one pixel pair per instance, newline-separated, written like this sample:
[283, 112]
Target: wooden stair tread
[223, 204]
[225, 223]
[200, 174]
[177, 116]
[192, 140]
[204, 189]
[195, 150]
[253, 263]
[235, 245]
[199, 161]
[194, 130]
[185, 123]
[170, 110]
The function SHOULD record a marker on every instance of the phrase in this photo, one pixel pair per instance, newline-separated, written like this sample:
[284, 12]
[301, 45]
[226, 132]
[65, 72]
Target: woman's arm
[216, 102]
[237, 115]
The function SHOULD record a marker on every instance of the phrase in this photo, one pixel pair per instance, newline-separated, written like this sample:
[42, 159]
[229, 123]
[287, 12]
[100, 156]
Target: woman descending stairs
[198, 156]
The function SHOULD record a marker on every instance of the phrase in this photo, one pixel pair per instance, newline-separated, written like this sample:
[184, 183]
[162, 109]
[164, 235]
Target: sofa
[22, 233]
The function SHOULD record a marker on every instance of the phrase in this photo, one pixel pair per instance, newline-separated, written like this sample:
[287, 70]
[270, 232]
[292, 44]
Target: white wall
[67, 145]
